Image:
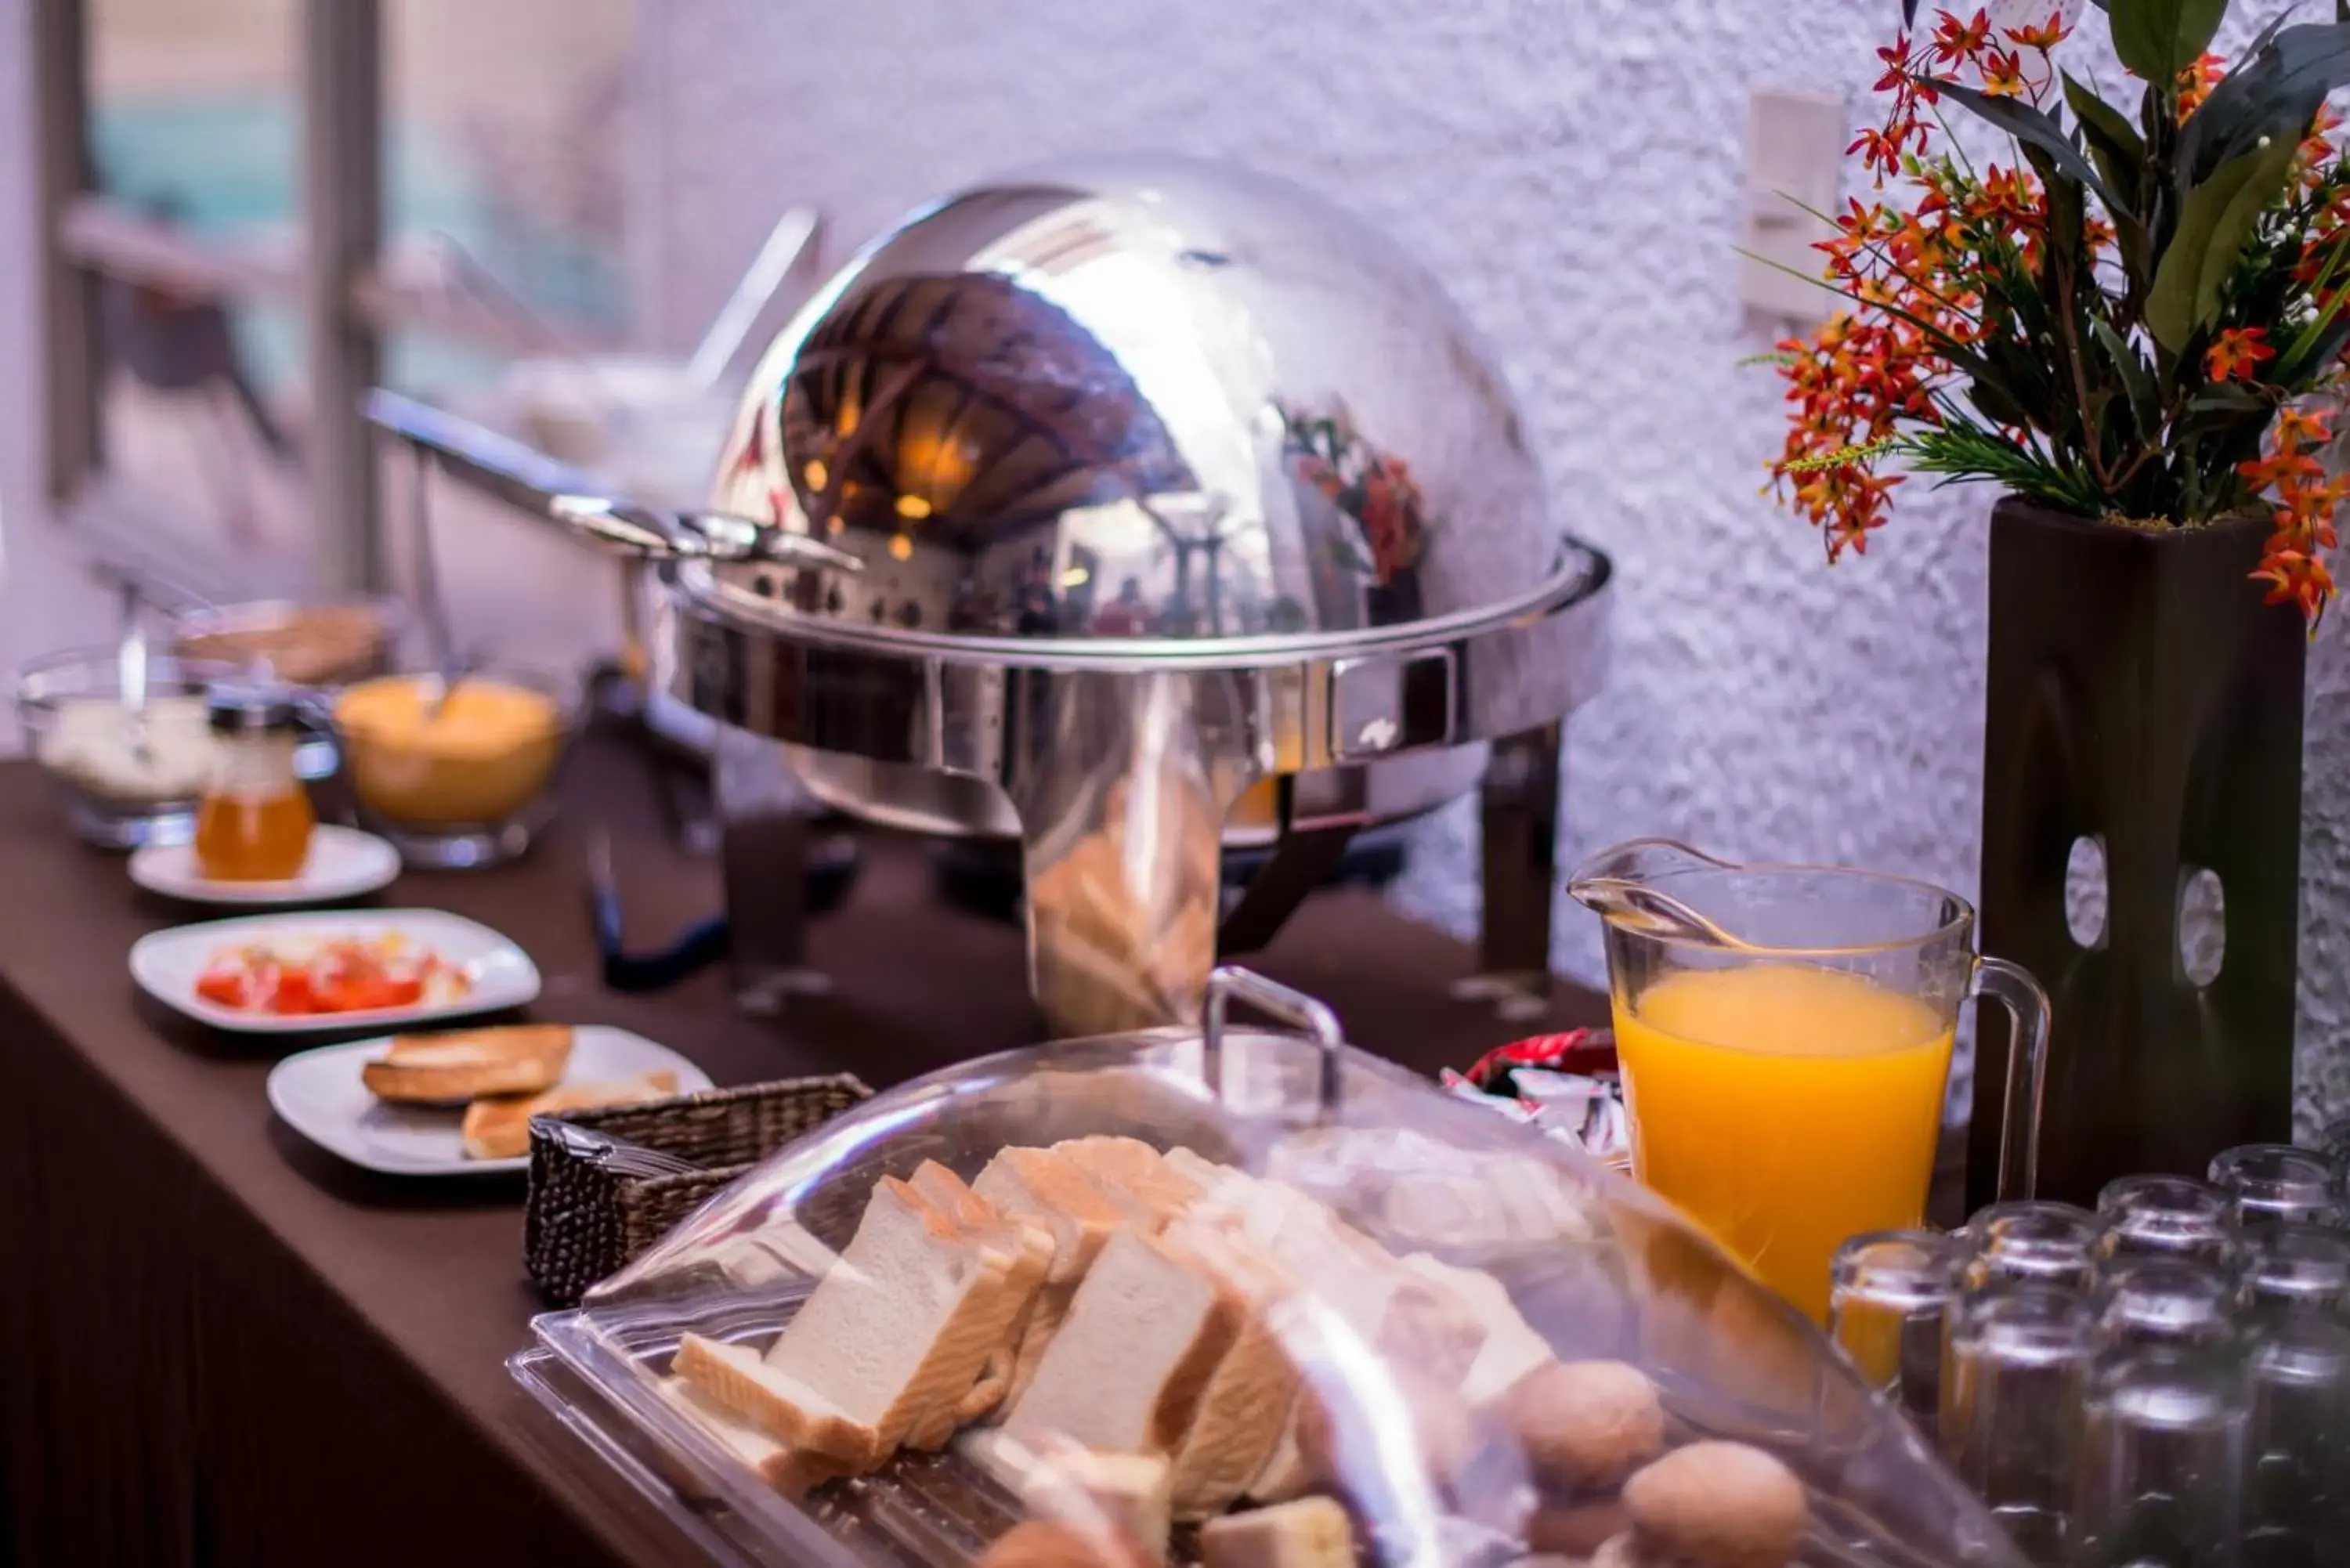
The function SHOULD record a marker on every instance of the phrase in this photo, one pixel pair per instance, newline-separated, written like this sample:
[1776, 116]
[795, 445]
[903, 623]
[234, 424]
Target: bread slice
[736, 1378]
[794, 1472]
[1248, 1396]
[1510, 1349]
[466, 1064]
[1123, 1495]
[1284, 1473]
[1029, 1247]
[1135, 1176]
[1128, 1369]
[1049, 1188]
[1045, 1187]
[1139, 1189]
[901, 1326]
[1311, 1532]
[500, 1129]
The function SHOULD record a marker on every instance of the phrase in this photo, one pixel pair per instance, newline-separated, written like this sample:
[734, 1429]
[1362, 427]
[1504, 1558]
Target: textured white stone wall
[1573, 170]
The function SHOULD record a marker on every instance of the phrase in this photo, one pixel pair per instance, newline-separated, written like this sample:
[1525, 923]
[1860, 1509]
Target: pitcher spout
[1622, 885]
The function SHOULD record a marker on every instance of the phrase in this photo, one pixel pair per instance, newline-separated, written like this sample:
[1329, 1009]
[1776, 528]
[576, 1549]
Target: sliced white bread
[1047, 1187]
[1355, 1278]
[1143, 1338]
[1511, 1348]
[795, 1416]
[791, 1472]
[1134, 1176]
[1284, 1473]
[1243, 1409]
[1120, 1494]
[1042, 1187]
[902, 1325]
[1311, 1532]
[1030, 1248]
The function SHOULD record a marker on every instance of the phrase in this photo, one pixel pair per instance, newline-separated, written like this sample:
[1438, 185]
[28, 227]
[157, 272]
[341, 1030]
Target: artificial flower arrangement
[2143, 319]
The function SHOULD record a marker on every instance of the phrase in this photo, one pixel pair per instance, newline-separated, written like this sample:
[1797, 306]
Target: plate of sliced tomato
[289, 973]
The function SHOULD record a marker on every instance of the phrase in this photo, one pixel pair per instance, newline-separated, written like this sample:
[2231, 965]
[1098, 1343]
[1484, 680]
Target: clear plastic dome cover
[1189, 1296]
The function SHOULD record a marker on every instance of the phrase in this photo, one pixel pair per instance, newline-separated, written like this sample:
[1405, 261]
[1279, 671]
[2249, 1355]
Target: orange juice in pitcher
[1784, 1033]
[1785, 1108]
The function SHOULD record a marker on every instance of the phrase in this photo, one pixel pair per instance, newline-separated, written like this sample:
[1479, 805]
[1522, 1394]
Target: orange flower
[2002, 74]
[1896, 57]
[2306, 502]
[1956, 42]
[2196, 82]
[2239, 351]
[2298, 428]
[2309, 160]
[2044, 38]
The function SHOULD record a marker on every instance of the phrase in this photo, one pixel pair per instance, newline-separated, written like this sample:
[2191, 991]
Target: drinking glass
[2298, 1452]
[2162, 1459]
[1889, 1301]
[2276, 1182]
[2165, 1217]
[2174, 1301]
[2291, 1264]
[1784, 1033]
[2296, 1285]
[2044, 1243]
[2015, 1385]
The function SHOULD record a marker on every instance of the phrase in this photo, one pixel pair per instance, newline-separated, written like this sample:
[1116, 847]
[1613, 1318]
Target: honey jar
[254, 823]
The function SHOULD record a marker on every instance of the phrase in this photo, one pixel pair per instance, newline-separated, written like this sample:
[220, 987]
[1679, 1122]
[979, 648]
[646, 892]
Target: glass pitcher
[1784, 1033]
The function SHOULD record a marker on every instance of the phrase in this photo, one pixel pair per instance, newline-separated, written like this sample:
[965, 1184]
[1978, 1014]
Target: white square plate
[166, 964]
[343, 863]
[320, 1095]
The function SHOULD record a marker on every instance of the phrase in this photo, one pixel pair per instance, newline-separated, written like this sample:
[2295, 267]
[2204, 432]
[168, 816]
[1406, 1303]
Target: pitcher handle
[2013, 988]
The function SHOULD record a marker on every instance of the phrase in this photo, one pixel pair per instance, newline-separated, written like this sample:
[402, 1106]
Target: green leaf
[2030, 127]
[2157, 39]
[2275, 96]
[2324, 348]
[2113, 141]
[2214, 224]
[2136, 381]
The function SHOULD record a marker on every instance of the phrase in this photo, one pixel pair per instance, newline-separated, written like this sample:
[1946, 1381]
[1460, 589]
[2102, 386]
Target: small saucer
[343, 864]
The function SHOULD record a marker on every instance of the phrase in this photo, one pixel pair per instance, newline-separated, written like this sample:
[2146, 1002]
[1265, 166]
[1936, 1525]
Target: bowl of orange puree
[461, 775]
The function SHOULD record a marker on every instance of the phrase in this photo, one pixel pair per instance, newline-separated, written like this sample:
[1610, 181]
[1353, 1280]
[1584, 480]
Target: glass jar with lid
[255, 820]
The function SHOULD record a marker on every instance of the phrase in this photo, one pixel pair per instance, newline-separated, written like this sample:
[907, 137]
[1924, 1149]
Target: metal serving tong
[606, 1151]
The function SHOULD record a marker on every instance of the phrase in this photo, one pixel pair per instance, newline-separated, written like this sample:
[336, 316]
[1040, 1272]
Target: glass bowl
[329, 643]
[466, 785]
[309, 647]
[120, 788]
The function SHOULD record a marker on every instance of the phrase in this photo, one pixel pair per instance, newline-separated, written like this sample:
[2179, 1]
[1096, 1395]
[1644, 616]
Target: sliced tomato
[367, 994]
[225, 987]
[294, 995]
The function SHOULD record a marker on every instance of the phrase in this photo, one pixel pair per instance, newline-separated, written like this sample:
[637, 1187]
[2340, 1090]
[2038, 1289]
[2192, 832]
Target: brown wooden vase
[2140, 694]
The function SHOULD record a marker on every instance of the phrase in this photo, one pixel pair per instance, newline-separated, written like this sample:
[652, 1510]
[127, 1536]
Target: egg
[1575, 1528]
[1727, 1505]
[1586, 1423]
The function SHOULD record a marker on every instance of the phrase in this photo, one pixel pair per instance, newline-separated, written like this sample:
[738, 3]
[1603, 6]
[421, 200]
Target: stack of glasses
[2163, 1383]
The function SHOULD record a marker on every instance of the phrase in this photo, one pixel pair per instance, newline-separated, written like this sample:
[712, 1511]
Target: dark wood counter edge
[626, 1534]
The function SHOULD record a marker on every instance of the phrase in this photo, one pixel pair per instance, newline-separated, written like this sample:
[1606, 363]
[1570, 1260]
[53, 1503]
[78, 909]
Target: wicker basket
[583, 1221]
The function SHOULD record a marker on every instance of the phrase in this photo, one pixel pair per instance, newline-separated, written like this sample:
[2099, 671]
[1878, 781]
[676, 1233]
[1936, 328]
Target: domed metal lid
[1153, 407]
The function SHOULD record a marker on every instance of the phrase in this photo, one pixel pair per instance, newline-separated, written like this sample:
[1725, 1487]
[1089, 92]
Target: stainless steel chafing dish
[1128, 511]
